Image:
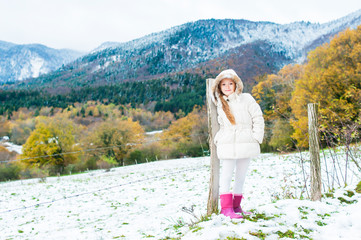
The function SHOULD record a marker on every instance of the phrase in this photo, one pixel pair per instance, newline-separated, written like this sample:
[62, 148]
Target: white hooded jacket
[243, 139]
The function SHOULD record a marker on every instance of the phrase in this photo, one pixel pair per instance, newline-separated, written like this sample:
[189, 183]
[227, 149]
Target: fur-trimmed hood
[231, 74]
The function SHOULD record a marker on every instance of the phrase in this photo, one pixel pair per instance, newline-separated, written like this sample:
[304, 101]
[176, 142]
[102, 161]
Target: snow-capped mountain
[204, 46]
[106, 45]
[19, 62]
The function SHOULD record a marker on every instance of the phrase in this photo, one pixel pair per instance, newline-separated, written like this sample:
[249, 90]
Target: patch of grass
[116, 237]
[323, 216]
[302, 210]
[168, 238]
[328, 195]
[303, 230]
[287, 234]
[358, 187]
[148, 236]
[195, 228]
[259, 234]
[258, 216]
[179, 224]
[205, 218]
[343, 200]
[234, 238]
[349, 193]
[307, 231]
[319, 223]
[304, 237]
[28, 222]
[115, 205]
[193, 225]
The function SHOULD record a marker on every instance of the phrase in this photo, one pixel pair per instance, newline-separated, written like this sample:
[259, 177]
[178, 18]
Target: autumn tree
[4, 127]
[8, 170]
[50, 143]
[188, 135]
[161, 120]
[332, 79]
[117, 137]
[273, 92]
[20, 130]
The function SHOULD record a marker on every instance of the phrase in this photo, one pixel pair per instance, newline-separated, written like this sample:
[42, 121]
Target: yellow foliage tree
[274, 93]
[5, 127]
[188, 131]
[179, 131]
[117, 136]
[50, 143]
[162, 120]
[332, 79]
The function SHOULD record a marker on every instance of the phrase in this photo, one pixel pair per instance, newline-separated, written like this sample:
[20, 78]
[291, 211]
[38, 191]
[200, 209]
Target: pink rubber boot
[237, 204]
[227, 206]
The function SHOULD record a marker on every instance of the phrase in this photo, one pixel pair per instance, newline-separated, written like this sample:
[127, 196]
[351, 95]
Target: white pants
[228, 167]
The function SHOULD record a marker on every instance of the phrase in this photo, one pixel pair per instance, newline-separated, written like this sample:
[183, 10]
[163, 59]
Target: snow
[13, 147]
[154, 132]
[33, 67]
[145, 201]
[32, 60]
[4, 138]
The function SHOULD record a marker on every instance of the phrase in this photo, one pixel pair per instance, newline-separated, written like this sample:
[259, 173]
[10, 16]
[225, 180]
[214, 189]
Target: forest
[179, 92]
[106, 126]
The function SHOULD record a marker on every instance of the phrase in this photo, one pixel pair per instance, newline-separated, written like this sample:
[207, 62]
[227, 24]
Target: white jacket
[243, 139]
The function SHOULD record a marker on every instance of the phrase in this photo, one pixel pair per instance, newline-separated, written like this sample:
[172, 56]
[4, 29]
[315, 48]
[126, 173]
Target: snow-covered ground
[13, 147]
[150, 201]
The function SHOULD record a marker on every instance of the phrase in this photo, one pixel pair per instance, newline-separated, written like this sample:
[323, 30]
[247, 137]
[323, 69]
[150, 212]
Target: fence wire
[94, 149]
[99, 190]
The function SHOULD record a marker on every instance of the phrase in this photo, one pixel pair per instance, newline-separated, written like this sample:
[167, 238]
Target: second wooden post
[314, 148]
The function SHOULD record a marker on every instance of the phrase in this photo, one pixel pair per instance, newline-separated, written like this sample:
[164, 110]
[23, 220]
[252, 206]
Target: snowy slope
[145, 202]
[19, 62]
[207, 39]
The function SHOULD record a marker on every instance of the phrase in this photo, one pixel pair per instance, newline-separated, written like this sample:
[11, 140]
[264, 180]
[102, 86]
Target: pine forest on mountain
[180, 92]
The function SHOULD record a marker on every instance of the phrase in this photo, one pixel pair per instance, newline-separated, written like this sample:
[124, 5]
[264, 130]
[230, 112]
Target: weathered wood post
[314, 152]
[213, 127]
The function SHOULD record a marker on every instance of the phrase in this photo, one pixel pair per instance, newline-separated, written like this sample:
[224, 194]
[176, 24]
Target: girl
[239, 138]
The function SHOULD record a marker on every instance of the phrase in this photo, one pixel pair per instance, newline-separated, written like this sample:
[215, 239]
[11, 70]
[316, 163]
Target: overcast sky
[84, 24]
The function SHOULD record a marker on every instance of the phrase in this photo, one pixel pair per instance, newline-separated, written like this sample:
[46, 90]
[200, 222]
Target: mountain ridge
[22, 61]
[197, 47]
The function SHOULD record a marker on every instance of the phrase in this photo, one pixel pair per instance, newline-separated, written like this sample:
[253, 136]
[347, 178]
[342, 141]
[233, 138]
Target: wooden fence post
[213, 127]
[314, 152]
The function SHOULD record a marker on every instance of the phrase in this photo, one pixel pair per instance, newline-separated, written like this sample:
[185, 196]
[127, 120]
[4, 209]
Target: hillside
[204, 46]
[20, 62]
[166, 199]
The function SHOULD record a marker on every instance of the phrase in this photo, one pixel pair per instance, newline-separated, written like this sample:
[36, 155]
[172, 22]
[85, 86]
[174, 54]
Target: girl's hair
[225, 107]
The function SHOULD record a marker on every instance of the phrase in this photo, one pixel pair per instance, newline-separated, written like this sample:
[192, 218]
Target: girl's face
[227, 86]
